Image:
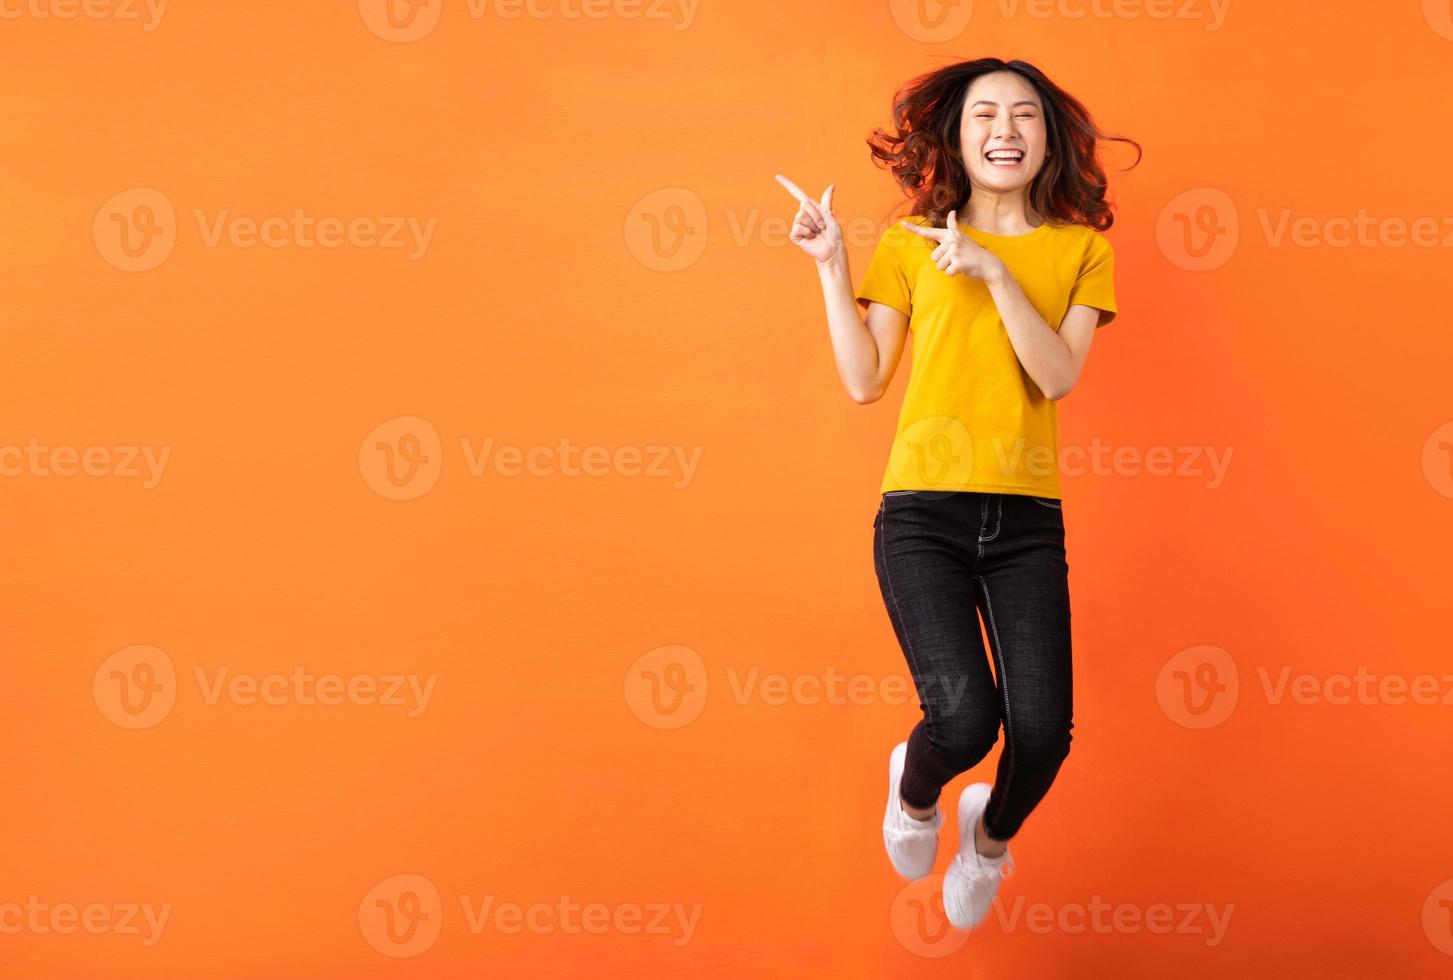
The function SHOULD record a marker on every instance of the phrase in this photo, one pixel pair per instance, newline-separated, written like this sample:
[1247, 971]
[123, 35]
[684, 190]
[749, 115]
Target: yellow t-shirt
[972, 419]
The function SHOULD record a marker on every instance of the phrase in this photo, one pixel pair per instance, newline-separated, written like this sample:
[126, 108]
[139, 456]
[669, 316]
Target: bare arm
[867, 351]
[1052, 360]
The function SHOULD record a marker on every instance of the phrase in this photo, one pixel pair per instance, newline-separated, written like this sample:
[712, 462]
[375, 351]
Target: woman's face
[1002, 112]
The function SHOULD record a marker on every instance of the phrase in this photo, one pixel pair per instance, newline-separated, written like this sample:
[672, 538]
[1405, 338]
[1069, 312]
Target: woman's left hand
[957, 254]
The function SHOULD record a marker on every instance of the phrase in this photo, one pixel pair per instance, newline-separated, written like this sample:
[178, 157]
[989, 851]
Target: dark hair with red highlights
[926, 159]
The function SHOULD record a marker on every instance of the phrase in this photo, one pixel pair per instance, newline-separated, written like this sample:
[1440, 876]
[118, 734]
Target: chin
[1000, 183]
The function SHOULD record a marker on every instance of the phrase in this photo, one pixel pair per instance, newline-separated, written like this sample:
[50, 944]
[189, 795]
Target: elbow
[865, 396]
[1054, 392]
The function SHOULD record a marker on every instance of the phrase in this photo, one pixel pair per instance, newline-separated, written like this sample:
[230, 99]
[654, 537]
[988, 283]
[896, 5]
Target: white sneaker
[972, 879]
[912, 844]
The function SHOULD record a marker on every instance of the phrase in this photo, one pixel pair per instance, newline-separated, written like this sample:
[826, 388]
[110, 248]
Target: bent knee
[964, 742]
[1049, 745]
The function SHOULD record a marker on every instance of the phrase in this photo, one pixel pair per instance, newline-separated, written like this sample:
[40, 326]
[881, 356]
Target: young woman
[1003, 276]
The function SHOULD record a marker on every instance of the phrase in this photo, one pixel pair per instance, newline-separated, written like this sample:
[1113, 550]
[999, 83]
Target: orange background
[536, 773]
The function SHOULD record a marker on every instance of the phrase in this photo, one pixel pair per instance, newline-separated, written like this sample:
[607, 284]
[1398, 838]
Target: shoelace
[979, 869]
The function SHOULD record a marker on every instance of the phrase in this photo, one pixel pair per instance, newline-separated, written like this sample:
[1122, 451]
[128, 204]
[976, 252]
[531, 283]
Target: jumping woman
[1002, 273]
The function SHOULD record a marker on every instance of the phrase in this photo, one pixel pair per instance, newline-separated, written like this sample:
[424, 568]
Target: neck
[1000, 212]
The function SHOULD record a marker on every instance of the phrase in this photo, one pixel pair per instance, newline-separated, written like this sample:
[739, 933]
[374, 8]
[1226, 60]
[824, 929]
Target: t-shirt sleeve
[886, 280]
[1095, 285]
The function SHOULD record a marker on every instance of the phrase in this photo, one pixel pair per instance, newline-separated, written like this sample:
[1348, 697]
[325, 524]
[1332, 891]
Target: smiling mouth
[1006, 159]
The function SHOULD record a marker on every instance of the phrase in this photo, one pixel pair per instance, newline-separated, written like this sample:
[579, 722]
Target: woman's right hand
[814, 228]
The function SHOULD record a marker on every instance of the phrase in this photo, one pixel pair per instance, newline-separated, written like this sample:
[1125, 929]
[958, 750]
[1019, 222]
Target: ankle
[986, 845]
[917, 813]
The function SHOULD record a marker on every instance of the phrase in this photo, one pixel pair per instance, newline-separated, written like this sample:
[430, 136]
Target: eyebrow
[1027, 102]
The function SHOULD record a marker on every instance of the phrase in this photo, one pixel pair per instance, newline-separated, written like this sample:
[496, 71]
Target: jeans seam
[1004, 695]
[998, 520]
[983, 519]
[907, 639]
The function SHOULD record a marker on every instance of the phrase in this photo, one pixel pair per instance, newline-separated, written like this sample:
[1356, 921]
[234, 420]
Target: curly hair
[926, 158]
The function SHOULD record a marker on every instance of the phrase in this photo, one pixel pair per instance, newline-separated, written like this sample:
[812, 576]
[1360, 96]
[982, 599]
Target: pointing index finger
[793, 189]
[937, 234]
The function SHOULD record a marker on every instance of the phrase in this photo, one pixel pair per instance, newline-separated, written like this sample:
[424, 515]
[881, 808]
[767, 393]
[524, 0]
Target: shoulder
[1082, 235]
[1082, 242]
[895, 236]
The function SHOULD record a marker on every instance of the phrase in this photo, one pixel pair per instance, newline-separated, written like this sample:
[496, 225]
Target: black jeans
[944, 558]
